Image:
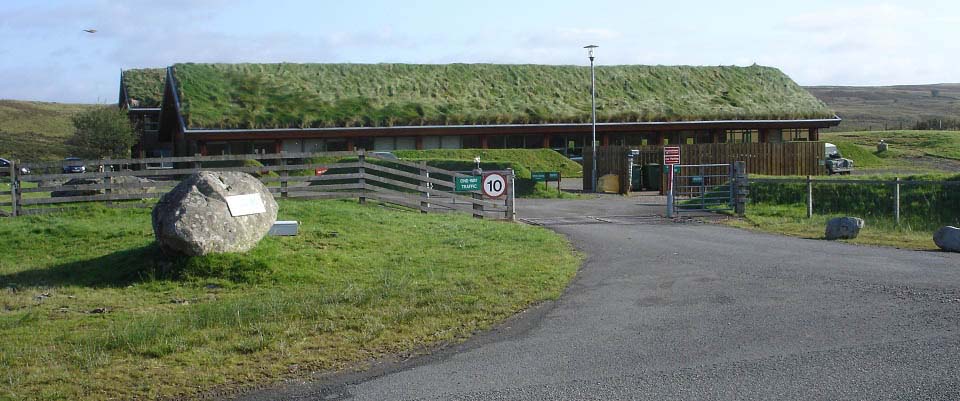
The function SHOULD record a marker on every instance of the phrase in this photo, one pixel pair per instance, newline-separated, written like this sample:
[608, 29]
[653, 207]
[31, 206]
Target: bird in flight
[90, 30]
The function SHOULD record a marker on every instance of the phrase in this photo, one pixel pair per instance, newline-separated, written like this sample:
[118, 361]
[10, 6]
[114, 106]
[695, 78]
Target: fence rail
[895, 197]
[358, 175]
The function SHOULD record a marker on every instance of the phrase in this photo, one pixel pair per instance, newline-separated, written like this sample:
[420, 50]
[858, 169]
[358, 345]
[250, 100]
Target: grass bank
[532, 159]
[92, 310]
[781, 208]
[906, 149]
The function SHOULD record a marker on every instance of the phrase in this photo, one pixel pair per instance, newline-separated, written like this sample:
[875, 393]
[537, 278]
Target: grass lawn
[92, 310]
[791, 219]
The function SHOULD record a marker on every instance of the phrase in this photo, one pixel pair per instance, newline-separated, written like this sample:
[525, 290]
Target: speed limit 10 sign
[494, 185]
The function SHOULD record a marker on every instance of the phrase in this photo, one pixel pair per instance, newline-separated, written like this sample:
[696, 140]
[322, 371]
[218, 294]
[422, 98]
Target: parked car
[73, 165]
[5, 165]
[835, 162]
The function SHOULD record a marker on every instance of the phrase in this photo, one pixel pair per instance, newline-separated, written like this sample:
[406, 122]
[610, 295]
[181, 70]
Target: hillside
[892, 107]
[36, 130]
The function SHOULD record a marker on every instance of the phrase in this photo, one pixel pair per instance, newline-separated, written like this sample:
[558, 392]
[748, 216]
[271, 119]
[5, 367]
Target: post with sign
[671, 158]
[546, 176]
[494, 186]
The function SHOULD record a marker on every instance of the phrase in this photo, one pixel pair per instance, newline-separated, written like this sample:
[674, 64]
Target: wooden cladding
[777, 159]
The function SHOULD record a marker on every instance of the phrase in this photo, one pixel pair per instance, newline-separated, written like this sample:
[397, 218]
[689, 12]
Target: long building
[188, 109]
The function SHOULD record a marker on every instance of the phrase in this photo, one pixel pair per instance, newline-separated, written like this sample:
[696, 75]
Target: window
[431, 142]
[533, 141]
[742, 136]
[406, 143]
[336, 145]
[796, 134]
[383, 143]
[314, 145]
[363, 142]
[217, 148]
[497, 141]
[470, 142]
[450, 142]
[291, 146]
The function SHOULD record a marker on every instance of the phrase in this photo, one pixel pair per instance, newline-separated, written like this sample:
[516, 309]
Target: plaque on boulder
[214, 212]
[242, 205]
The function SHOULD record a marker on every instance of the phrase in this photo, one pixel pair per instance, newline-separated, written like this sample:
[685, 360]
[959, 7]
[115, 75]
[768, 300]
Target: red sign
[320, 170]
[671, 155]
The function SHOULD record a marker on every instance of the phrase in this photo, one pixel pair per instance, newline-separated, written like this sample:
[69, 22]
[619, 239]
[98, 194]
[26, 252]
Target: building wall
[569, 144]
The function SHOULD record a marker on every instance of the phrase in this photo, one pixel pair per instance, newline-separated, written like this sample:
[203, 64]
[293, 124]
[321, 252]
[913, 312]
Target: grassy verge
[791, 220]
[92, 310]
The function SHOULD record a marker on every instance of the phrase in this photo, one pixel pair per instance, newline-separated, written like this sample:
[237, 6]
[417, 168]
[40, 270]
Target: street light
[593, 116]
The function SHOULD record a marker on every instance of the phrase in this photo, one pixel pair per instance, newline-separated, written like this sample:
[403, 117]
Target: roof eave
[824, 122]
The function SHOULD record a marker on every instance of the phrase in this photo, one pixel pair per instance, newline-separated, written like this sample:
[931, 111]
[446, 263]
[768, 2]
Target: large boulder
[131, 185]
[78, 192]
[195, 219]
[947, 238]
[843, 228]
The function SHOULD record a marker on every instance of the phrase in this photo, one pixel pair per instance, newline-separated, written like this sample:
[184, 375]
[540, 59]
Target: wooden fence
[356, 174]
[777, 159]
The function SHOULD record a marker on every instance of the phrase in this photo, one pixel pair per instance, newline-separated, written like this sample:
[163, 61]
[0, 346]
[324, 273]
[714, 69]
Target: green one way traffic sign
[467, 184]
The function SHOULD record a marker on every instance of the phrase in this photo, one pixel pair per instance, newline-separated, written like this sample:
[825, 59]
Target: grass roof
[144, 86]
[383, 95]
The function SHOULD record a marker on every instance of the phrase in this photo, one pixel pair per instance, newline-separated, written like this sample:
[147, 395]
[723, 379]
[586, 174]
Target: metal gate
[702, 187]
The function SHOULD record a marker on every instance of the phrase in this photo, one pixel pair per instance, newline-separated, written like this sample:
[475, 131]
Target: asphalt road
[666, 311]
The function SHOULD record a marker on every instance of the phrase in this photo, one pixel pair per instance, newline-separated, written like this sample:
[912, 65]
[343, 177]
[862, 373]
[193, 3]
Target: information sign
[242, 205]
[545, 176]
[671, 155]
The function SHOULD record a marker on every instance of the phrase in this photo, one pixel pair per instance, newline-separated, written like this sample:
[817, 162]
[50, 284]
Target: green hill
[36, 130]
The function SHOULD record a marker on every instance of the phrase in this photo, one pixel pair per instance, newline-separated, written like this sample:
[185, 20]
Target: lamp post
[593, 117]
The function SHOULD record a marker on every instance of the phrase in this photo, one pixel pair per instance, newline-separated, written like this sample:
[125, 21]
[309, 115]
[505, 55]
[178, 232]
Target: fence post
[362, 158]
[809, 197]
[196, 163]
[743, 189]
[14, 186]
[896, 200]
[107, 190]
[283, 176]
[511, 213]
[477, 207]
[425, 194]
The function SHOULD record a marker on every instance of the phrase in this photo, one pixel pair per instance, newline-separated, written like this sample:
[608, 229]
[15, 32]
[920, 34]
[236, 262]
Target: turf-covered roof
[144, 86]
[247, 96]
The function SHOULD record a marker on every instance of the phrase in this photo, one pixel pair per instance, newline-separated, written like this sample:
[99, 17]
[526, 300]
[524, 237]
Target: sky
[45, 55]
